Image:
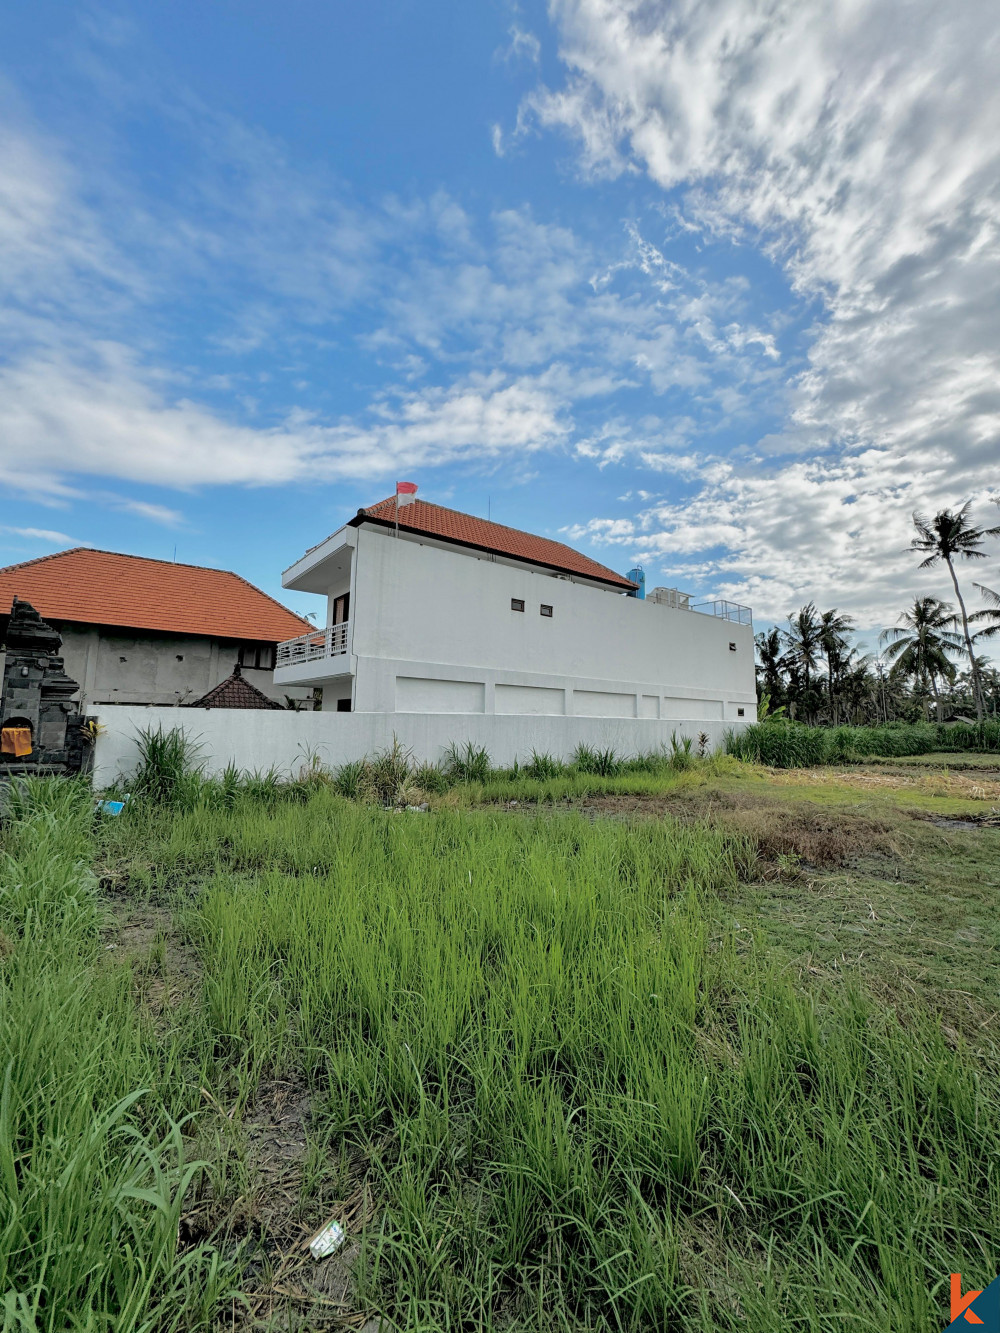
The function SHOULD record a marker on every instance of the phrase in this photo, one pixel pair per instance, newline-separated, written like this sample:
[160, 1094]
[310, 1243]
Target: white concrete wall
[255, 740]
[422, 613]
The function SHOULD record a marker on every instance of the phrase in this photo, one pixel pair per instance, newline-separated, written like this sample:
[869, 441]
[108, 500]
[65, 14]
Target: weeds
[167, 772]
[542, 766]
[602, 763]
[785, 744]
[93, 1164]
[467, 763]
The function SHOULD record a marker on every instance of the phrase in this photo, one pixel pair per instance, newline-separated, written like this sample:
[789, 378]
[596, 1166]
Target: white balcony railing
[321, 643]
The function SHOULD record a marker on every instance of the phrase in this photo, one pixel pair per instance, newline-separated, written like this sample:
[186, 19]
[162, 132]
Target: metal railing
[741, 615]
[329, 642]
[684, 601]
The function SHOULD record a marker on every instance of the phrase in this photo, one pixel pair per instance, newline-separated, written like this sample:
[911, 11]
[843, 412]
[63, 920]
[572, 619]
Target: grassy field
[704, 1048]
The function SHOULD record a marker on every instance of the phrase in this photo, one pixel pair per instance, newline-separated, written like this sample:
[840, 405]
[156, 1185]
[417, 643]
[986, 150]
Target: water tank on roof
[636, 575]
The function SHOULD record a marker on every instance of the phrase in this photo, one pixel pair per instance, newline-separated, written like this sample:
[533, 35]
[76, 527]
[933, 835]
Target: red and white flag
[406, 488]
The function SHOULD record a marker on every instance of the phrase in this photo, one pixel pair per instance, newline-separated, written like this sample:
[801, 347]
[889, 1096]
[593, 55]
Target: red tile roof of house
[132, 592]
[465, 530]
[234, 692]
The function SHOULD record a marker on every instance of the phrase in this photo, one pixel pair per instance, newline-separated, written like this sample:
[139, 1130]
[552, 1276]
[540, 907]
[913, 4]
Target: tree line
[931, 662]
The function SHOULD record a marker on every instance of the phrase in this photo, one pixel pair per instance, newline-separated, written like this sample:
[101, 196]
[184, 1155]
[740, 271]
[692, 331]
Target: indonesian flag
[406, 488]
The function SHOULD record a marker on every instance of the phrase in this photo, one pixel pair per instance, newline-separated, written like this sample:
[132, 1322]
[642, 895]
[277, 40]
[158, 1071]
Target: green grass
[587, 1075]
[780, 743]
[93, 1162]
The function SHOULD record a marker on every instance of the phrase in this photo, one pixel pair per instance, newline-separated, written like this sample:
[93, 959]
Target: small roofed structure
[235, 692]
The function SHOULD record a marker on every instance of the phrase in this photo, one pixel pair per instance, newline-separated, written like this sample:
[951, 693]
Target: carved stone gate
[41, 728]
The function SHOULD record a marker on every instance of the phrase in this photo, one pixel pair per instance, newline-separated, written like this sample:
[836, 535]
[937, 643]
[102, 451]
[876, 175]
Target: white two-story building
[430, 611]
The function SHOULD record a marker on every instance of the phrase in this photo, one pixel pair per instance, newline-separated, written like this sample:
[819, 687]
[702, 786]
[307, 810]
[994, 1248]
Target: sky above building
[712, 286]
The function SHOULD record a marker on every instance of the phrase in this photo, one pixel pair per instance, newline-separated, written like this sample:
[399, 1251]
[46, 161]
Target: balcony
[315, 647]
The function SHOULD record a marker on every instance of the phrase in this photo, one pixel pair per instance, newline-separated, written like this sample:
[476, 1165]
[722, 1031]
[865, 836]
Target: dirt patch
[272, 1200]
[990, 820]
[967, 786]
[165, 966]
[812, 834]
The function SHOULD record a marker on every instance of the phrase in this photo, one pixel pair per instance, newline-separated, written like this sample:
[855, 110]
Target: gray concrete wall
[115, 667]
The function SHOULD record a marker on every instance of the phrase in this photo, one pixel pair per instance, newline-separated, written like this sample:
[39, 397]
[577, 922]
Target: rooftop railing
[313, 647]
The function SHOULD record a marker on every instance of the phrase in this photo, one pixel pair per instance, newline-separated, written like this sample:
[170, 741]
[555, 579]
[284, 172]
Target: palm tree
[833, 631]
[950, 537]
[919, 645]
[769, 652]
[992, 613]
[803, 640]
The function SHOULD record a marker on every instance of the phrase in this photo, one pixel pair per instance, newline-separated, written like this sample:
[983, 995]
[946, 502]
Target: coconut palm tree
[950, 537]
[803, 639]
[919, 645]
[991, 614]
[833, 631]
[769, 652]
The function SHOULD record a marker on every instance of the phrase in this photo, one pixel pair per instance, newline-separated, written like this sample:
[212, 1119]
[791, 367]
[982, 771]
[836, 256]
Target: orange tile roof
[449, 525]
[130, 591]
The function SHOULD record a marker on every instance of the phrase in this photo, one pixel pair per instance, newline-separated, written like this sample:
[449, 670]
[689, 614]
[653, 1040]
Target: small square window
[517, 603]
[741, 712]
[546, 610]
[732, 647]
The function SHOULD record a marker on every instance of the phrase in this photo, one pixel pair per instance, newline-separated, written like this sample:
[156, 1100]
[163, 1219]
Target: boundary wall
[258, 739]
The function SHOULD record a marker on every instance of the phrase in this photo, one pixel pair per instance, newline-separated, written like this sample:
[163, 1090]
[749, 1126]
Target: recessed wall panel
[603, 703]
[416, 694]
[529, 700]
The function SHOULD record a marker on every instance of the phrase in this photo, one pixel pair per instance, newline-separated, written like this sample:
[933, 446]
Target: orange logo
[960, 1304]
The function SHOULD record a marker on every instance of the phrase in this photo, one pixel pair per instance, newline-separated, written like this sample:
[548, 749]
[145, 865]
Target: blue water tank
[637, 576]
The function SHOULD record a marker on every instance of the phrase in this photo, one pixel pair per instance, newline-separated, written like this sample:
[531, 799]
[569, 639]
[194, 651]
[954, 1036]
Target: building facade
[151, 632]
[434, 612]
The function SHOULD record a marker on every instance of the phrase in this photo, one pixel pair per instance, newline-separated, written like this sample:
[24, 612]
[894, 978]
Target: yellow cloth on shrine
[15, 741]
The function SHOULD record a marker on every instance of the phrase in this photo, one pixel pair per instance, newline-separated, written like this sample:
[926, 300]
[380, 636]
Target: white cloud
[107, 418]
[523, 46]
[856, 143]
[45, 535]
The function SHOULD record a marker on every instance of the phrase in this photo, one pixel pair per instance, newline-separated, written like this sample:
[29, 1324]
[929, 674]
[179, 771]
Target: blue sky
[712, 286]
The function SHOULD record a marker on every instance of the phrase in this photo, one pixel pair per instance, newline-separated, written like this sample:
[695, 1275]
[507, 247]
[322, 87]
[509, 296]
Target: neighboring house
[139, 631]
[453, 614]
[234, 692]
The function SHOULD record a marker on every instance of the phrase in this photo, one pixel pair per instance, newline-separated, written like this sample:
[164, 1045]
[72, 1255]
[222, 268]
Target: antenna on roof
[175, 553]
[489, 508]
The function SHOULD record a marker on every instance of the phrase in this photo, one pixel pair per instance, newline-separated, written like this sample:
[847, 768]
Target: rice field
[551, 1070]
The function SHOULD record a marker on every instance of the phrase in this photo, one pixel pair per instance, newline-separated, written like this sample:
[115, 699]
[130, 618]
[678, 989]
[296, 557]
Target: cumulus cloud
[856, 145]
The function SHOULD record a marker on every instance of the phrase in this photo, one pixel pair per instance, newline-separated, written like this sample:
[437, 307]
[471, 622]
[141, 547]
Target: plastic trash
[110, 807]
[326, 1240]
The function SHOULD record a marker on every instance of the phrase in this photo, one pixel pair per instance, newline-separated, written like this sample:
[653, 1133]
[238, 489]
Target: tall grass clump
[779, 744]
[587, 1097]
[602, 763]
[845, 744]
[543, 766]
[93, 1162]
[467, 763]
[980, 736]
[168, 771]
